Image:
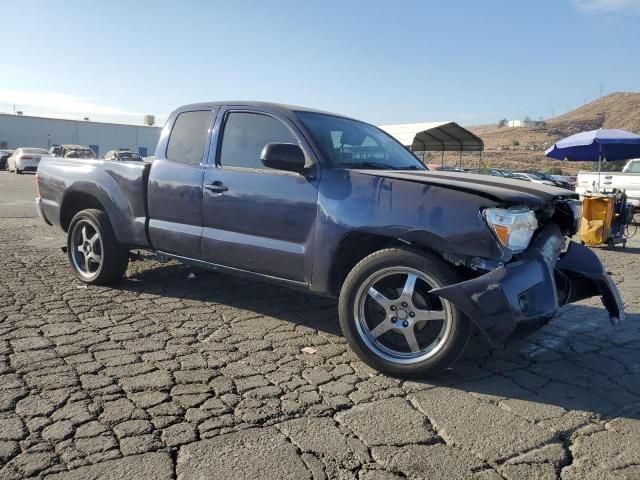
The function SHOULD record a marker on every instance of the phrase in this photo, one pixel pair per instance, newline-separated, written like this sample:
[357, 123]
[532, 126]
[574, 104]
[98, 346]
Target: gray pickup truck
[334, 206]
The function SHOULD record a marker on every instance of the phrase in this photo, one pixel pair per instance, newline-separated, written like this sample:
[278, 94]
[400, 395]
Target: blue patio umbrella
[597, 145]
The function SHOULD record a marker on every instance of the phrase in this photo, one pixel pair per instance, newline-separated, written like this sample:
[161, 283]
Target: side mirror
[283, 156]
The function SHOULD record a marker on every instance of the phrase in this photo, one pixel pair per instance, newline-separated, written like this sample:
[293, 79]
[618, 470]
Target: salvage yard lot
[166, 375]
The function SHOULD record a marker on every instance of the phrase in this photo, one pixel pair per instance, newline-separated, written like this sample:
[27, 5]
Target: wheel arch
[75, 201]
[355, 246]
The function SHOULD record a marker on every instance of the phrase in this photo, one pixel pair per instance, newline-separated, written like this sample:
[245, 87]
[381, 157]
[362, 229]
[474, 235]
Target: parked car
[122, 156]
[569, 181]
[337, 207]
[25, 159]
[4, 156]
[500, 173]
[550, 178]
[530, 177]
[627, 180]
[494, 172]
[72, 151]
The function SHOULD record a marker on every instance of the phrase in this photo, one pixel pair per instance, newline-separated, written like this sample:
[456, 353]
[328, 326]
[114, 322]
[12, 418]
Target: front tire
[393, 323]
[95, 254]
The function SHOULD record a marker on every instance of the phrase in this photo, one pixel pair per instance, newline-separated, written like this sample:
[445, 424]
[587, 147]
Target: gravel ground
[166, 376]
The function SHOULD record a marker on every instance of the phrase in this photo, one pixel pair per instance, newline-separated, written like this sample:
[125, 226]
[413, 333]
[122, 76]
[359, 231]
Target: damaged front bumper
[521, 296]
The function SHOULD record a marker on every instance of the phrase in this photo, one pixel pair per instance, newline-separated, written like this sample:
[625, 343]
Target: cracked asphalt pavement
[165, 376]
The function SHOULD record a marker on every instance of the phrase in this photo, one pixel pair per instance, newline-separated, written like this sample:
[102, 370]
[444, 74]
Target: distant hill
[521, 148]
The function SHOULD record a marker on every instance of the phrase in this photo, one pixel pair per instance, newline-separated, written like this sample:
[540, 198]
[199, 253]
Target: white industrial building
[26, 131]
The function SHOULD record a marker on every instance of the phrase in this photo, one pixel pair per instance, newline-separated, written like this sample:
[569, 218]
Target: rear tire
[391, 321]
[96, 256]
[18, 172]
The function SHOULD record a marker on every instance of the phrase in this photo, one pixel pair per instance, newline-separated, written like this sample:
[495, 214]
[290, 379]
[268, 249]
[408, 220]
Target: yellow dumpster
[597, 215]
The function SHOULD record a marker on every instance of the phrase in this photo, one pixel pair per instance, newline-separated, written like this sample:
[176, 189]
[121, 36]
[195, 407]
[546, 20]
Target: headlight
[514, 227]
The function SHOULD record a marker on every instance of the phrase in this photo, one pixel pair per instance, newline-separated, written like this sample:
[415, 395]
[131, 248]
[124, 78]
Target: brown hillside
[617, 110]
[521, 148]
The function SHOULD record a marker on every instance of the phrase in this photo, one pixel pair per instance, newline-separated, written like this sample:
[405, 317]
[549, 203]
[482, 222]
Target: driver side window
[246, 134]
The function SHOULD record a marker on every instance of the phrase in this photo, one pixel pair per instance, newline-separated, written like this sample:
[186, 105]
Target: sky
[384, 62]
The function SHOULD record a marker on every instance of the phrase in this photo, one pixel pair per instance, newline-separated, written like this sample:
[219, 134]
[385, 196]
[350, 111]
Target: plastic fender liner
[588, 278]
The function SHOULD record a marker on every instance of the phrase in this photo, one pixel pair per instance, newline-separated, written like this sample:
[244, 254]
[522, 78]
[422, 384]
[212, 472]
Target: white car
[530, 177]
[25, 158]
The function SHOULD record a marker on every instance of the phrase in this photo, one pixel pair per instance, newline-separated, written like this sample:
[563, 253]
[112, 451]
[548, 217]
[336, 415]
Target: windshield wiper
[367, 165]
[379, 166]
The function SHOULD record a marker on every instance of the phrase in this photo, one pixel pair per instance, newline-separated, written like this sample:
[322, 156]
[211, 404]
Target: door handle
[216, 187]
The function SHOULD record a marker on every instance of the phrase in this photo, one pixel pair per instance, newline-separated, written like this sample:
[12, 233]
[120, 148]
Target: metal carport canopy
[435, 136]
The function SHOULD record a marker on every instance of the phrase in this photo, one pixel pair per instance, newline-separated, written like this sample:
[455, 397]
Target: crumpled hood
[495, 188]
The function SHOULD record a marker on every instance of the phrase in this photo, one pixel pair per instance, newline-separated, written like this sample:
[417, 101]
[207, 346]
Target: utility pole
[601, 89]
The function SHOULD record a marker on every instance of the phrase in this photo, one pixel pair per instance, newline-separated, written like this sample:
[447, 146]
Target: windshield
[537, 175]
[129, 156]
[34, 150]
[348, 143]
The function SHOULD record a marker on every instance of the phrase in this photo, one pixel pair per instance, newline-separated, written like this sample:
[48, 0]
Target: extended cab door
[175, 183]
[255, 218]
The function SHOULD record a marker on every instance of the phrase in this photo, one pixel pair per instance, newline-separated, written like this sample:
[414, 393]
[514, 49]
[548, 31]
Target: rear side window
[246, 134]
[188, 137]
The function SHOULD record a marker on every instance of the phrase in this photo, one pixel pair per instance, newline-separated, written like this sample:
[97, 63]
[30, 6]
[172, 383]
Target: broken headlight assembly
[513, 227]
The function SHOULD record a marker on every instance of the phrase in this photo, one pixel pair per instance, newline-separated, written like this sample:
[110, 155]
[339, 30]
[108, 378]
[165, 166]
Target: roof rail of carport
[435, 136]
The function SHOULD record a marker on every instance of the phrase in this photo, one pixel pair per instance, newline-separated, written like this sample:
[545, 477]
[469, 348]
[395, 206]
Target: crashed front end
[522, 294]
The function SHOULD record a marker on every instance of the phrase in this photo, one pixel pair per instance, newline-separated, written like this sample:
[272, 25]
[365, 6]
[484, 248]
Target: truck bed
[120, 188]
[629, 182]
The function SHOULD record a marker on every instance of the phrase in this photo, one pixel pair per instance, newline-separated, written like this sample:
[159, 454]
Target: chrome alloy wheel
[398, 319]
[86, 248]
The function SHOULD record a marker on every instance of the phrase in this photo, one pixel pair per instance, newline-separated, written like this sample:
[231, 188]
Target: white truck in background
[628, 180]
